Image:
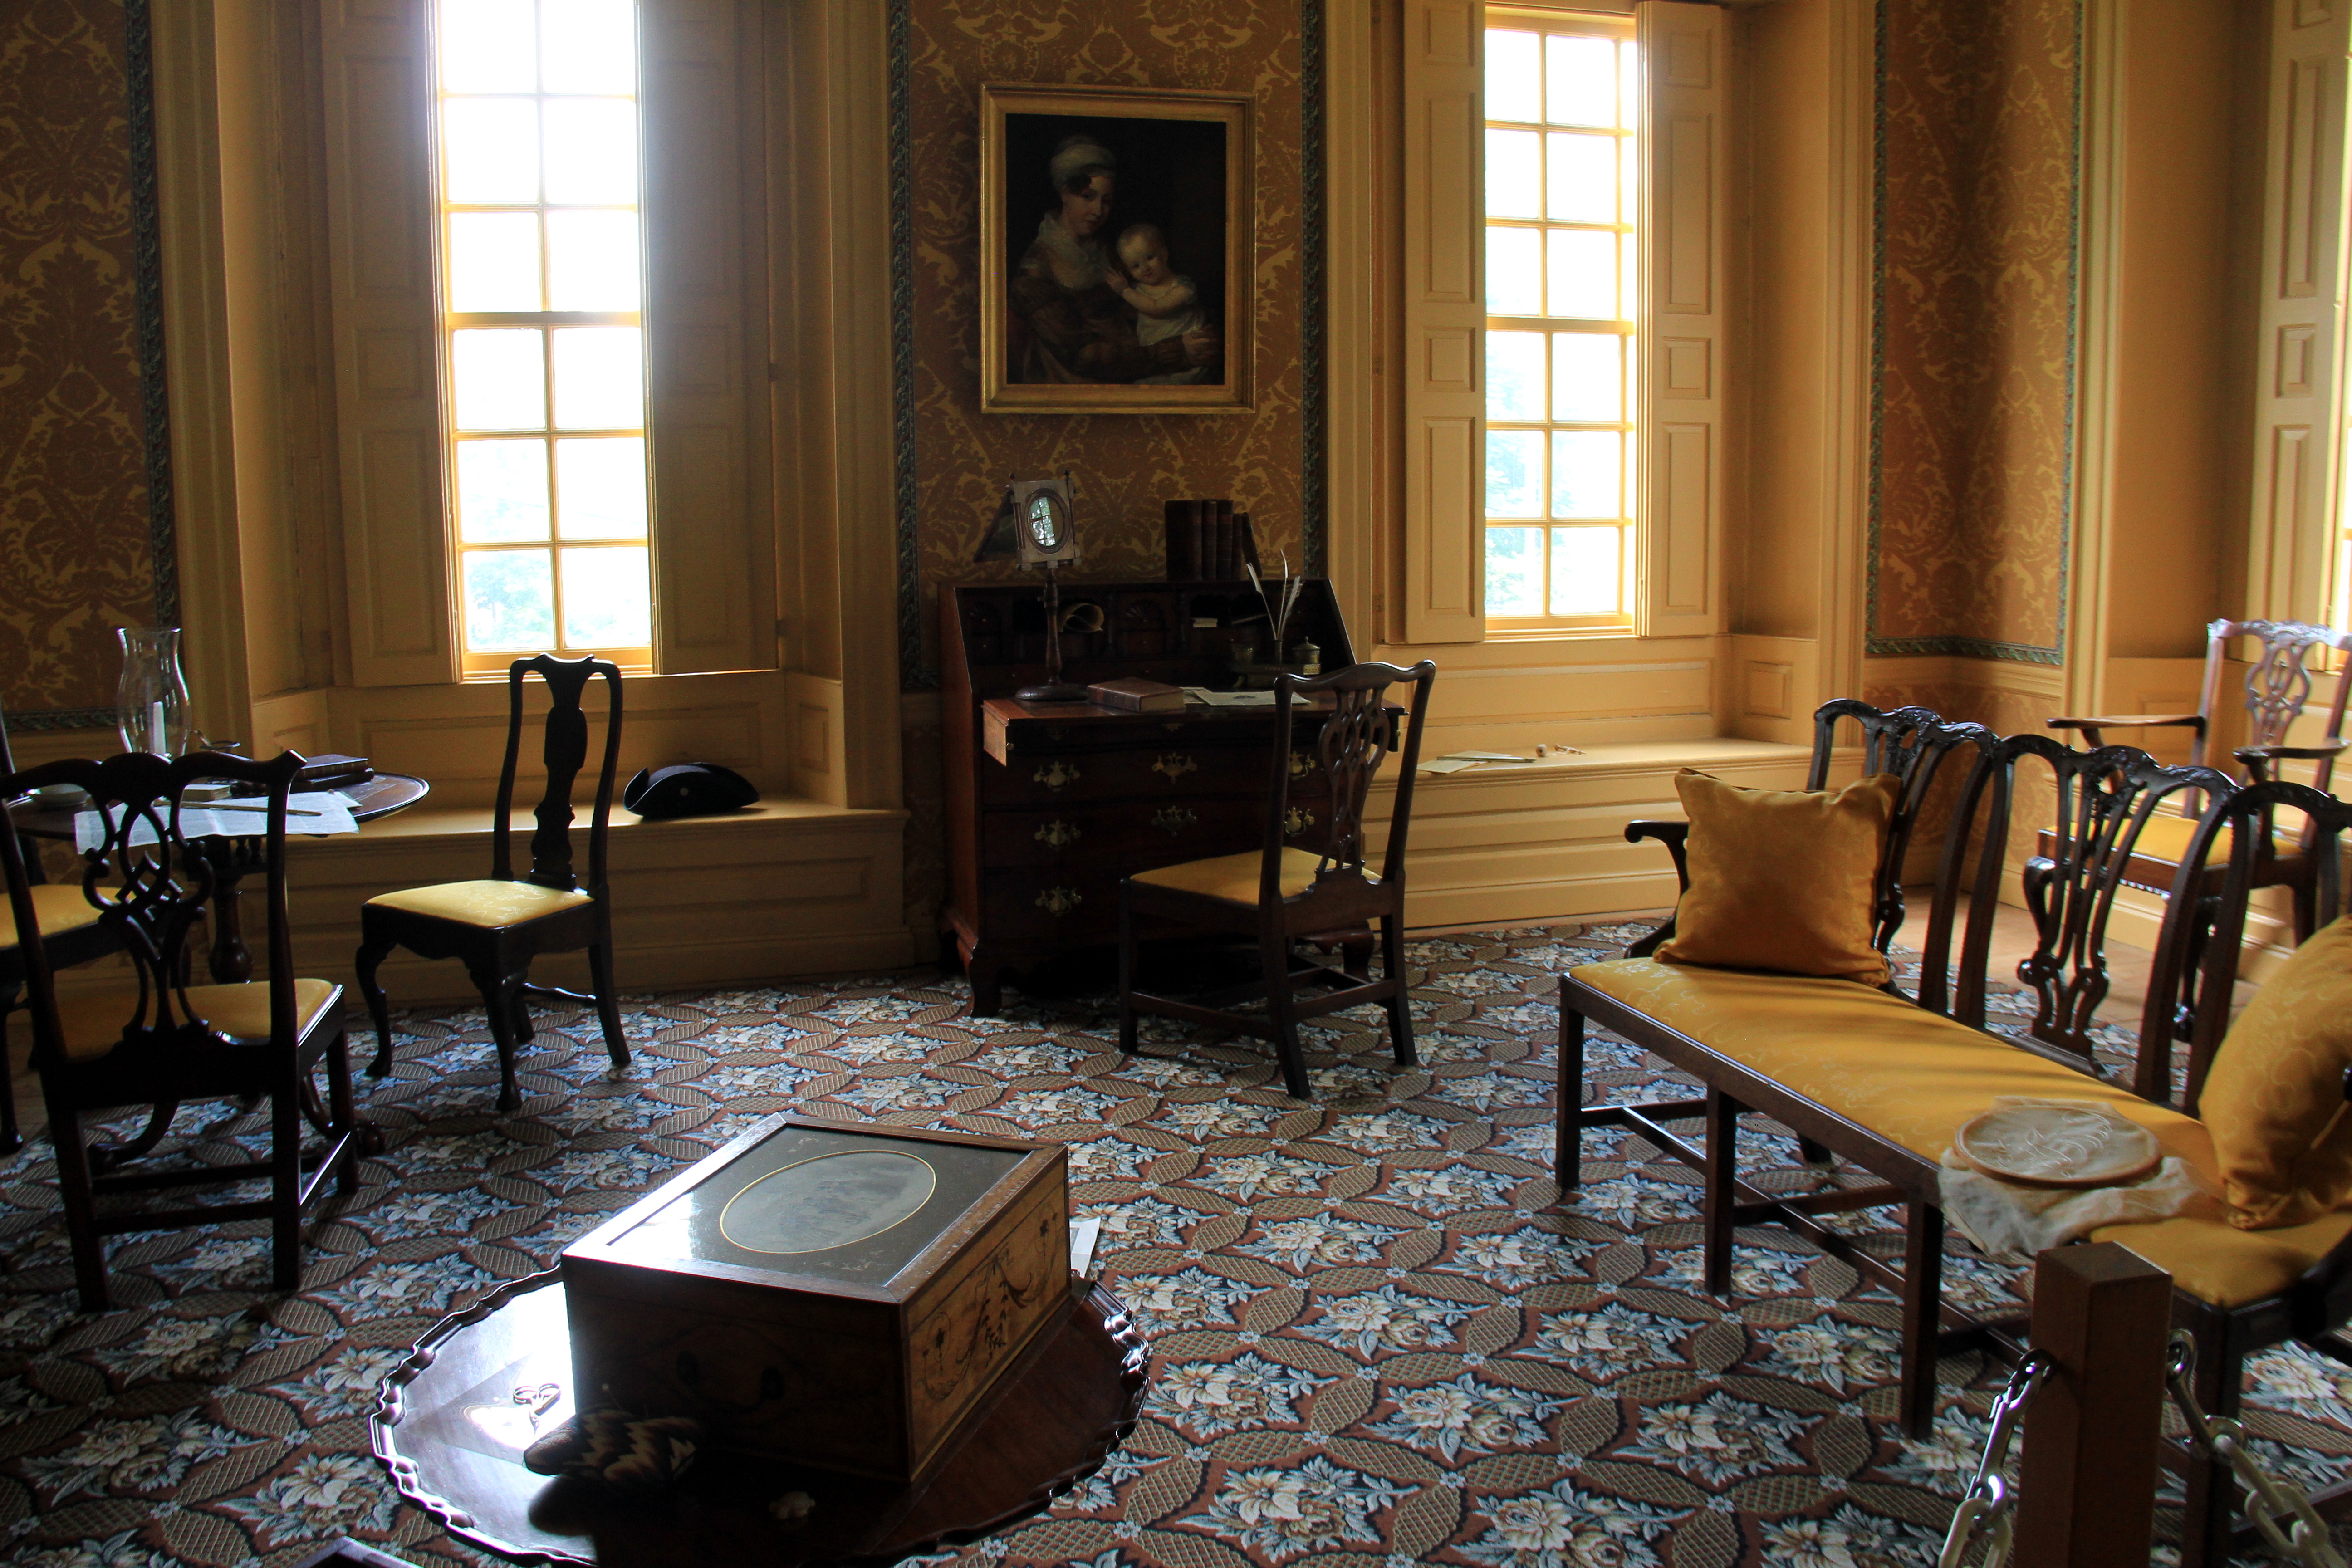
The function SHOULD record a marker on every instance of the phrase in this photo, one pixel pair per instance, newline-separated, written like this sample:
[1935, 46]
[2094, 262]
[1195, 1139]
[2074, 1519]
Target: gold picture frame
[1116, 249]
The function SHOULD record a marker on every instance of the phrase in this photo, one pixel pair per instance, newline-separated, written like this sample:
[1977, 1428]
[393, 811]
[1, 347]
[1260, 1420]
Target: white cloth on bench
[2013, 1221]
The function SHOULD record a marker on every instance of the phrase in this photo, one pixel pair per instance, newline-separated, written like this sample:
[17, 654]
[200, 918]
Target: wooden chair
[71, 933]
[2278, 686]
[160, 1041]
[2239, 1291]
[500, 924]
[1280, 895]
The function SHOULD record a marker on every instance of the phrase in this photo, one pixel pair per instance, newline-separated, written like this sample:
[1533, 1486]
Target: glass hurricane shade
[151, 710]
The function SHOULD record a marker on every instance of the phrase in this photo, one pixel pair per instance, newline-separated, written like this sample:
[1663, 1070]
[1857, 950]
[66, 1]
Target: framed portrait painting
[1114, 250]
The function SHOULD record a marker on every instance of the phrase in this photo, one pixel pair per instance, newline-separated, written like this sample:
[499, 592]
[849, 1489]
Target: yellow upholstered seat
[1912, 1076]
[1909, 1075]
[2166, 836]
[1237, 877]
[2214, 1261]
[489, 905]
[92, 1021]
[58, 909]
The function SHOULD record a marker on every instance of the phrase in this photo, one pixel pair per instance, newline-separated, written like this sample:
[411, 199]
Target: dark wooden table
[454, 1418]
[233, 859]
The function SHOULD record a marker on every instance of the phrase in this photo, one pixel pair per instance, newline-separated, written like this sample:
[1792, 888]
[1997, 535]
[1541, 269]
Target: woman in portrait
[1070, 321]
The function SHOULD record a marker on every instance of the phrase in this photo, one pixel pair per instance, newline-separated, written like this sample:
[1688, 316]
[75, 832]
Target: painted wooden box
[831, 1294]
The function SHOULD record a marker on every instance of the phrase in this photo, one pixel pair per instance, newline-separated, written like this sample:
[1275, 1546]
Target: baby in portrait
[1166, 304]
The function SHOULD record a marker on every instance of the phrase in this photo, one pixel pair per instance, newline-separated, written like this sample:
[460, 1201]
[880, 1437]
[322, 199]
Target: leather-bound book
[1177, 529]
[1134, 694]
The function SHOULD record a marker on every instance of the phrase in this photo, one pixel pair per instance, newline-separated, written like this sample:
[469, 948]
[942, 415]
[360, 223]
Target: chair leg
[1722, 1189]
[608, 1005]
[1274, 956]
[1568, 1153]
[342, 1115]
[370, 954]
[81, 1206]
[1923, 1305]
[497, 1000]
[285, 1184]
[524, 1033]
[1400, 1005]
[2211, 1506]
[11, 1138]
[1127, 1041]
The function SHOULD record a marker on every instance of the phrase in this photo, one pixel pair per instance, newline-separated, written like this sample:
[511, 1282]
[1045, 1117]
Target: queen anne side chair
[1280, 895]
[159, 1041]
[498, 925]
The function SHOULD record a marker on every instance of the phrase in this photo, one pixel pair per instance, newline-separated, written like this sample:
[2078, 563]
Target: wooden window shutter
[2298, 414]
[378, 79]
[1444, 323]
[713, 547]
[1684, 224]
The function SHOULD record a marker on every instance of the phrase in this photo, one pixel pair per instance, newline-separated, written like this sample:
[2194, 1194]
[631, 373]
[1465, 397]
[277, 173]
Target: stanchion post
[2086, 1472]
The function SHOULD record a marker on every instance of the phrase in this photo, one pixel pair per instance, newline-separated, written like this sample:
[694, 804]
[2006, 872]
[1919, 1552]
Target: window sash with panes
[541, 326]
[1561, 262]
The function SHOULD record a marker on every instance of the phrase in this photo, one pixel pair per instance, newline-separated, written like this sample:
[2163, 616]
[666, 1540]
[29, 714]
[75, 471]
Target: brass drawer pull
[1174, 819]
[1295, 821]
[1057, 834]
[1175, 765]
[1056, 774]
[1060, 901]
[1302, 764]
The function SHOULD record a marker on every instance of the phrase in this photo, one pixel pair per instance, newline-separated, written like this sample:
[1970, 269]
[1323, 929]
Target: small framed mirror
[1047, 522]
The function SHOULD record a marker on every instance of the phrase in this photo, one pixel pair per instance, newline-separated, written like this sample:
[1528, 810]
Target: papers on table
[1460, 762]
[316, 814]
[1229, 699]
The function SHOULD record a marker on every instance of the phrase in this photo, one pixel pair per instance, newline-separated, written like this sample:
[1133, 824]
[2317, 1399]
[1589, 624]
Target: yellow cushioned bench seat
[489, 904]
[1912, 1076]
[2166, 836]
[58, 908]
[92, 1021]
[1234, 876]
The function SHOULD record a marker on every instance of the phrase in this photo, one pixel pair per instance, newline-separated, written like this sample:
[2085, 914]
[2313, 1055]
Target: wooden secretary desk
[1050, 804]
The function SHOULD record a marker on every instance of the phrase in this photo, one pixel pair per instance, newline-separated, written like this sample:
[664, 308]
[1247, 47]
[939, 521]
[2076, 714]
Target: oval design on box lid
[830, 1201]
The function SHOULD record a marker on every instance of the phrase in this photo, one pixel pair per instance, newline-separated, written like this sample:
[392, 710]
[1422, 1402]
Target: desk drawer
[1130, 834]
[1166, 772]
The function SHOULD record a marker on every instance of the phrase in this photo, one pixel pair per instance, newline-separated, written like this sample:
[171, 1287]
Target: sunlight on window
[543, 294]
[1560, 269]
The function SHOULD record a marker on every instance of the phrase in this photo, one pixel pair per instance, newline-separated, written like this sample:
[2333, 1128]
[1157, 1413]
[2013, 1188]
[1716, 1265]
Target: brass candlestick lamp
[1038, 519]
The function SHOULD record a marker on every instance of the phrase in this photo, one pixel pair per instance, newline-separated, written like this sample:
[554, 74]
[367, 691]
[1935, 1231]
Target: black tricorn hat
[687, 789]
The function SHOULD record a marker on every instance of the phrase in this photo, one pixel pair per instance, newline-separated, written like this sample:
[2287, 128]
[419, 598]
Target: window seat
[782, 888]
[1546, 842]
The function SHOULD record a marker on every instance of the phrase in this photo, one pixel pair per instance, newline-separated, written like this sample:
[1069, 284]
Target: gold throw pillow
[1783, 879]
[2274, 1099]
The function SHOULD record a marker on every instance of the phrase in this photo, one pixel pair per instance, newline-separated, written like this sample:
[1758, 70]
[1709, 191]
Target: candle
[155, 729]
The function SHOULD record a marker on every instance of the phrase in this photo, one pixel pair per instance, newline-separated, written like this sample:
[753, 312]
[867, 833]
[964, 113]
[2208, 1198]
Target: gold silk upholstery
[92, 1021]
[1784, 880]
[2166, 836]
[489, 905]
[1237, 877]
[2274, 1095]
[58, 909]
[2227, 1267]
[1912, 1076]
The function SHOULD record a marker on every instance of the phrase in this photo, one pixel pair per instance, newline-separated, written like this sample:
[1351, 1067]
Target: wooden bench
[1882, 1080]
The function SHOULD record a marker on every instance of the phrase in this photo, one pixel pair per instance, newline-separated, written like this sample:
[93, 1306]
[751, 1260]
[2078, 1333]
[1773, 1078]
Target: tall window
[541, 294]
[1562, 255]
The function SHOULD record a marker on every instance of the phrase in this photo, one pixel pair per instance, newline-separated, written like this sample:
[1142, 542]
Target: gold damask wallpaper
[76, 552]
[1978, 113]
[1126, 465]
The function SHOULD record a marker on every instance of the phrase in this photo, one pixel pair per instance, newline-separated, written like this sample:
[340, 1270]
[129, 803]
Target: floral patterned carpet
[1375, 1340]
